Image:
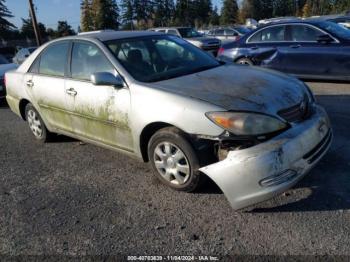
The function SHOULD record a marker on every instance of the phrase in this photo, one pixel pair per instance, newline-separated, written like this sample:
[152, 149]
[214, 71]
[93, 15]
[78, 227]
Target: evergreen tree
[64, 29]
[27, 29]
[105, 14]
[5, 25]
[86, 20]
[127, 14]
[214, 17]
[163, 12]
[229, 12]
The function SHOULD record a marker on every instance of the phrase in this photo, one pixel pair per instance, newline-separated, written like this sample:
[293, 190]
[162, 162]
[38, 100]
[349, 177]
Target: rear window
[54, 59]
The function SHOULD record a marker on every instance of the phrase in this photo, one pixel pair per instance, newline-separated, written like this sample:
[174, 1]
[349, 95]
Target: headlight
[246, 124]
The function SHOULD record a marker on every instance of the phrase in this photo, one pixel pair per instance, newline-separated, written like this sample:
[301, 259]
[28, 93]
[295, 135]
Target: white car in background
[5, 66]
[22, 54]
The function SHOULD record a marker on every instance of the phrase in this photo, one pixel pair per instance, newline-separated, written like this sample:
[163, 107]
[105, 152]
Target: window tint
[88, 59]
[35, 66]
[230, 32]
[172, 32]
[271, 34]
[53, 60]
[300, 33]
[220, 32]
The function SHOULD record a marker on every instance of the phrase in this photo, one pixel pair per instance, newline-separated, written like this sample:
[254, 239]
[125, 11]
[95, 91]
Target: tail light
[221, 50]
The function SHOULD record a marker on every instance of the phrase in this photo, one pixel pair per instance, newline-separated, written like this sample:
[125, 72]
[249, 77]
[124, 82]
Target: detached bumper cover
[258, 173]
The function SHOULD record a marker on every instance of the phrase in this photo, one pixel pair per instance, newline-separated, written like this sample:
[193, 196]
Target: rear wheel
[244, 61]
[174, 160]
[36, 124]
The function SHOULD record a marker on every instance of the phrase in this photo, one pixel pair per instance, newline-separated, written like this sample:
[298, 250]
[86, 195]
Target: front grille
[319, 149]
[296, 113]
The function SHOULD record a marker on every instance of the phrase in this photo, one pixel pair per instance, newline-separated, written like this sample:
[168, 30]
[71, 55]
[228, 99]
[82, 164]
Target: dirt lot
[67, 198]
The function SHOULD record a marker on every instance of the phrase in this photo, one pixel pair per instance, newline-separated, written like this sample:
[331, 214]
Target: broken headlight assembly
[247, 124]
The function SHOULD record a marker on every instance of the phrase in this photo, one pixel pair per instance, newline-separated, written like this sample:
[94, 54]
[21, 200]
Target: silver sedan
[254, 132]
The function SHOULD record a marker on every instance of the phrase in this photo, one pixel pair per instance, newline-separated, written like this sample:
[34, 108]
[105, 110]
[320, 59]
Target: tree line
[142, 14]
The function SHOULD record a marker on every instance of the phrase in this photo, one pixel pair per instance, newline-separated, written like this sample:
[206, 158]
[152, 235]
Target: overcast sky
[51, 11]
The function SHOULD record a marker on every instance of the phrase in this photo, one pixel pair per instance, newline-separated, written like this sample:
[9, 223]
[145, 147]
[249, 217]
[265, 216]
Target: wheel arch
[22, 107]
[146, 134]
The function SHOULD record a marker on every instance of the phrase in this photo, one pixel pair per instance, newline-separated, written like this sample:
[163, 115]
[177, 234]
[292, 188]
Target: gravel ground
[73, 199]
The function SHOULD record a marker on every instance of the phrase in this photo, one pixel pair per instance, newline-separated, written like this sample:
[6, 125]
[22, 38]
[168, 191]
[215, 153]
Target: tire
[36, 124]
[245, 61]
[173, 160]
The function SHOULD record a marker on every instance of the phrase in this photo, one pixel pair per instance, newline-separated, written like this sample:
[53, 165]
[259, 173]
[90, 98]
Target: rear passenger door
[267, 47]
[99, 113]
[45, 82]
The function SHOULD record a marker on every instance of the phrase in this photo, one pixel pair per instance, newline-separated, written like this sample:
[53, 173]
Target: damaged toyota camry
[254, 132]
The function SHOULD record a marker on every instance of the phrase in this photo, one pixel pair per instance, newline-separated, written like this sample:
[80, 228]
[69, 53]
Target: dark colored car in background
[309, 49]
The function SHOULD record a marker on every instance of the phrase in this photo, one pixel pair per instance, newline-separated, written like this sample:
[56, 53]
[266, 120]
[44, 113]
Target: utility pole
[35, 24]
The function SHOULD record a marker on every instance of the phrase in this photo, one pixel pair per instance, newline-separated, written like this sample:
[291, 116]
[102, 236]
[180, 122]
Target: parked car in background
[310, 49]
[229, 34]
[341, 19]
[22, 54]
[8, 52]
[157, 97]
[284, 19]
[208, 44]
[5, 66]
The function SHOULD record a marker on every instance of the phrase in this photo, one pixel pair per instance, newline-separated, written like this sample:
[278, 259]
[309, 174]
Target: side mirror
[325, 39]
[106, 79]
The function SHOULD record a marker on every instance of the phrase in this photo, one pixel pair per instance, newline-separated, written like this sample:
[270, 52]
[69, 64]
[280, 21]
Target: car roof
[106, 35]
[296, 21]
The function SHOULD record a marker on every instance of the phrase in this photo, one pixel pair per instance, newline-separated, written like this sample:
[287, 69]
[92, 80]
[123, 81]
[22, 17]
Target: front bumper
[258, 173]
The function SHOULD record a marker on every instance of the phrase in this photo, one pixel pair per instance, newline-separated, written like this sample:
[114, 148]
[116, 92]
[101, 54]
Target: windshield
[242, 30]
[156, 58]
[335, 29]
[189, 33]
[3, 60]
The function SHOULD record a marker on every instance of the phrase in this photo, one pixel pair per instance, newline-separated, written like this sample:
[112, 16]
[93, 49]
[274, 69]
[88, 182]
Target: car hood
[239, 88]
[6, 67]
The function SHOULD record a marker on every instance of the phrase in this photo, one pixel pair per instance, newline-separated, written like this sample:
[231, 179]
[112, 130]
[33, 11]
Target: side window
[34, 69]
[220, 32]
[271, 34]
[172, 32]
[230, 32]
[54, 59]
[302, 33]
[161, 30]
[88, 59]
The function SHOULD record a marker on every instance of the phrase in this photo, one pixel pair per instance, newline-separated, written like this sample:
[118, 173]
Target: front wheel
[174, 160]
[245, 61]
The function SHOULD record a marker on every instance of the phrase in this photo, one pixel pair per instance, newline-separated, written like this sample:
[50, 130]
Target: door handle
[254, 48]
[30, 83]
[295, 46]
[71, 92]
